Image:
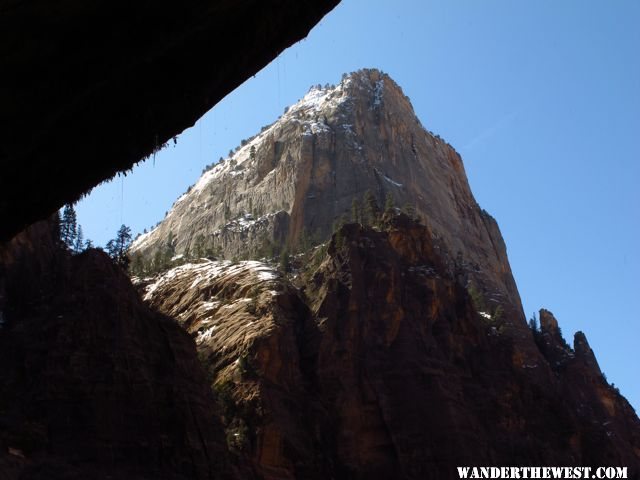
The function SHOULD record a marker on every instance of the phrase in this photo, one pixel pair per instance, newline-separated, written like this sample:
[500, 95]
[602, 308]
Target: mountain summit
[291, 183]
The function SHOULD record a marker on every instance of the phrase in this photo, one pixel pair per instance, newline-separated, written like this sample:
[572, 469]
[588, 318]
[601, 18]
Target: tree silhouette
[68, 226]
[371, 209]
[117, 248]
[389, 204]
[78, 244]
[356, 211]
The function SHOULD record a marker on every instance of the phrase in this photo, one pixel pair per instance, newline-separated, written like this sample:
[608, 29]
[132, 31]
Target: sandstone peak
[286, 187]
[584, 351]
[551, 342]
[580, 343]
[547, 321]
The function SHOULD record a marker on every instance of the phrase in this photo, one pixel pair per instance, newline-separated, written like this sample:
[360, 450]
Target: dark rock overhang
[90, 88]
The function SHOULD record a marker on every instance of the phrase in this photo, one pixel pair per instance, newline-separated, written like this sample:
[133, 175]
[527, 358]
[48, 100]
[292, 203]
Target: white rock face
[290, 183]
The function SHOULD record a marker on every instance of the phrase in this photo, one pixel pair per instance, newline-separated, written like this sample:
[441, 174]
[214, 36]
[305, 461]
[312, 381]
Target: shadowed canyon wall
[90, 88]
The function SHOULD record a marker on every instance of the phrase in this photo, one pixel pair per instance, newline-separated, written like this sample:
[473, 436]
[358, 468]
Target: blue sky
[541, 99]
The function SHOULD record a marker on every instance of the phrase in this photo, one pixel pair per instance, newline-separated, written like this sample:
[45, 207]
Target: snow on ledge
[210, 270]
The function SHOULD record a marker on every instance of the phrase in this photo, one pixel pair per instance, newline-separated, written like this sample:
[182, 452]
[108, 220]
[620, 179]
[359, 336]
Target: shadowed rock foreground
[94, 384]
[91, 88]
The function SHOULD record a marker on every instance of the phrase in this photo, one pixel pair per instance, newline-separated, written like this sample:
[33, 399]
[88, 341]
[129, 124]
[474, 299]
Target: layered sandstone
[255, 335]
[381, 366]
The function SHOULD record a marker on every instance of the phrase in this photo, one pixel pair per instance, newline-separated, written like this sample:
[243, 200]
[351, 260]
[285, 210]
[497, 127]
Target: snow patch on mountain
[210, 270]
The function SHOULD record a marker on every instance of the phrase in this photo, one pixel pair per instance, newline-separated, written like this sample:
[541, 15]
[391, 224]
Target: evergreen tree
[78, 245]
[337, 231]
[356, 211]
[117, 248]
[158, 261]
[388, 203]
[137, 266]
[68, 226]
[123, 239]
[372, 212]
[476, 298]
[305, 242]
[169, 249]
[198, 248]
[410, 211]
[339, 223]
[88, 244]
[112, 250]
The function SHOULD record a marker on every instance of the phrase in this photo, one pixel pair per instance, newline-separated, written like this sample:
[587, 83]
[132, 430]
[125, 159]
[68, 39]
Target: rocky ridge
[249, 324]
[380, 365]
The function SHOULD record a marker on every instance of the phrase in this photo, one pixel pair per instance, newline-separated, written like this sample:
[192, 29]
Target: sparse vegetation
[476, 298]
[306, 241]
[389, 203]
[410, 210]
[497, 313]
[70, 232]
[117, 248]
[534, 325]
[564, 342]
[356, 211]
[371, 209]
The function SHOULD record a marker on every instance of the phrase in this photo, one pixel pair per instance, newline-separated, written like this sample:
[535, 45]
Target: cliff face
[93, 384]
[403, 343]
[294, 180]
[384, 368]
[256, 337]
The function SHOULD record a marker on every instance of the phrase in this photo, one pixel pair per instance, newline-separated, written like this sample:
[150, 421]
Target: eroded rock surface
[256, 337]
[291, 183]
[382, 367]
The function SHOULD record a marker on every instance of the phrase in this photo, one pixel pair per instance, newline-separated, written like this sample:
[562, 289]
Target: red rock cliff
[398, 375]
